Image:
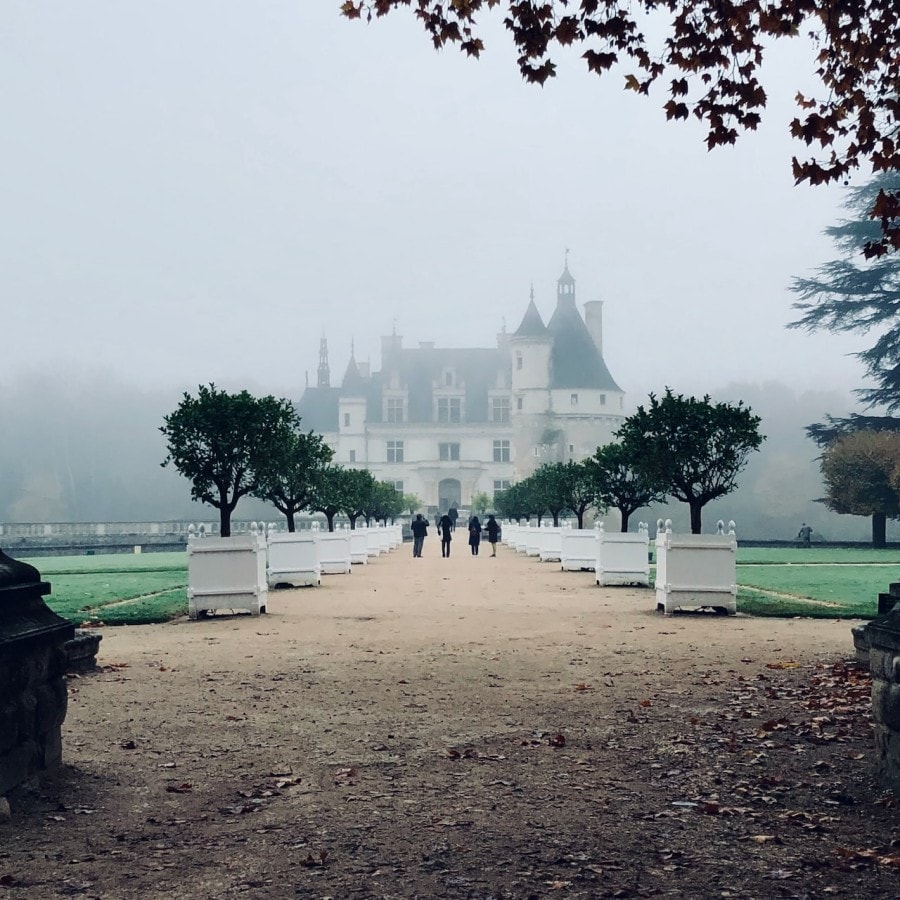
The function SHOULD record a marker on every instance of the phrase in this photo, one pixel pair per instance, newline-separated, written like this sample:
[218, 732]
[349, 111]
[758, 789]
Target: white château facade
[444, 424]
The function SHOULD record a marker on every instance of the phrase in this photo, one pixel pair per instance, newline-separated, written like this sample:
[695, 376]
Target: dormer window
[448, 379]
[573, 399]
[518, 360]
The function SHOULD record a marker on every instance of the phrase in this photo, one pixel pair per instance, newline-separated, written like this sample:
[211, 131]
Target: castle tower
[324, 372]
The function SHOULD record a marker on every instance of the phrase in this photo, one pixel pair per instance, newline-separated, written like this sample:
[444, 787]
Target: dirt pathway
[471, 727]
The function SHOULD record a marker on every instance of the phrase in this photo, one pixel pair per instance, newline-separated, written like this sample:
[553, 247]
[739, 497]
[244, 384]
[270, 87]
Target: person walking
[419, 530]
[453, 512]
[446, 526]
[493, 533]
[474, 534]
[805, 535]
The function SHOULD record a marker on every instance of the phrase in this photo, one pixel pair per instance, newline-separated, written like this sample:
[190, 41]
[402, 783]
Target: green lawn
[118, 589]
[126, 589]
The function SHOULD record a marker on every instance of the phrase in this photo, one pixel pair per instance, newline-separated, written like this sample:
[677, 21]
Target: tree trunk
[290, 520]
[580, 517]
[696, 510]
[556, 520]
[879, 536]
[224, 520]
[625, 517]
[330, 518]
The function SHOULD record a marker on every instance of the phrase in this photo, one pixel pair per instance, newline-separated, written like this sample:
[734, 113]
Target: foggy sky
[198, 191]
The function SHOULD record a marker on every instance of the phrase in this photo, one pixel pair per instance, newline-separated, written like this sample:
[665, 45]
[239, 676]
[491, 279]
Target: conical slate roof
[352, 379]
[532, 323]
[576, 361]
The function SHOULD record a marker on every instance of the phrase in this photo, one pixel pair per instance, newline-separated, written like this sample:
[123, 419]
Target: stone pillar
[33, 697]
[884, 664]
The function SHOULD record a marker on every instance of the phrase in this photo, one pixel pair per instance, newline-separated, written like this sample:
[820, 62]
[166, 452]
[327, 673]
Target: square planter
[294, 559]
[334, 552]
[622, 558]
[227, 573]
[696, 569]
[579, 549]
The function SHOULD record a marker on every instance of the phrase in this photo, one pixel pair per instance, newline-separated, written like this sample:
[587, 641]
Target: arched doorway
[449, 494]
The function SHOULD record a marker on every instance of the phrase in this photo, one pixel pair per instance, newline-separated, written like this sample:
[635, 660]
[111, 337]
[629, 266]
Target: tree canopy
[619, 484]
[710, 55]
[691, 449]
[288, 481]
[848, 294]
[225, 443]
[861, 472]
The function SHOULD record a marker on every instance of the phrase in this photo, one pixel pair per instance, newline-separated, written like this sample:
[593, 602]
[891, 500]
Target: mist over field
[89, 449]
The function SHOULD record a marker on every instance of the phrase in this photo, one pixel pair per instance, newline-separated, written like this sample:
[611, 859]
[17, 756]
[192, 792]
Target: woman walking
[474, 534]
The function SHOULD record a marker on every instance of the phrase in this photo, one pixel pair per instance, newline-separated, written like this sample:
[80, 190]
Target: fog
[199, 192]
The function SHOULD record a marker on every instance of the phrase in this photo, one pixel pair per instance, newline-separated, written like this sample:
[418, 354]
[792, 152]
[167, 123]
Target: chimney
[593, 319]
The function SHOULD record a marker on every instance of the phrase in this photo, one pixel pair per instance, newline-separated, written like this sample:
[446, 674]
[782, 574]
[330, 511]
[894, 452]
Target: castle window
[501, 451]
[500, 409]
[352, 456]
[448, 379]
[395, 451]
[571, 449]
[398, 486]
[573, 399]
[500, 485]
[395, 409]
[448, 452]
[603, 399]
[449, 409]
[346, 420]
[518, 360]
[519, 404]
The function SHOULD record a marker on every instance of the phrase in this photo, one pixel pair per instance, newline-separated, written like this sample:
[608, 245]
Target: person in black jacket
[493, 533]
[474, 534]
[419, 530]
[446, 526]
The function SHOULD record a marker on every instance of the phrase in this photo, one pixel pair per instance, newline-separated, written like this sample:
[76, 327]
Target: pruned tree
[691, 449]
[578, 489]
[481, 502]
[711, 55]
[385, 503]
[329, 492]
[358, 494]
[288, 481]
[853, 295]
[619, 483]
[411, 502]
[225, 444]
[511, 503]
[861, 472]
[546, 490]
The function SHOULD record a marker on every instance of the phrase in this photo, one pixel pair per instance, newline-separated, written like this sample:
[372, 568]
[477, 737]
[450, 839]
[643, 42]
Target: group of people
[447, 525]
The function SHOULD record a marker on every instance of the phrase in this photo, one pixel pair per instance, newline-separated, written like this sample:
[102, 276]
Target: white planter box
[696, 570]
[533, 542]
[551, 545]
[387, 543]
[508, 533]
[522, 538]
[579, 549]
[373, 542]
[294, 559]
[622, 558]
[359, 546]
[334, 552]
[227, 573]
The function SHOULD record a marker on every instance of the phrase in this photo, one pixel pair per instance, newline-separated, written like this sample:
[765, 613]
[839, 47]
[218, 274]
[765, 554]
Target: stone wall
[884, 663]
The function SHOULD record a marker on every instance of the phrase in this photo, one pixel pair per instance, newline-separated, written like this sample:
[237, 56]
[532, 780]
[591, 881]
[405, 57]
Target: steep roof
[576, 361]
[318, 408]
[532, 323]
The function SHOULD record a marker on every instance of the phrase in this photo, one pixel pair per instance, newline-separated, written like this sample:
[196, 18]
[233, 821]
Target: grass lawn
[117, 589]
[124, 589]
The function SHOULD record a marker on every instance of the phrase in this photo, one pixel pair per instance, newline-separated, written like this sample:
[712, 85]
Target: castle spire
[324, 371]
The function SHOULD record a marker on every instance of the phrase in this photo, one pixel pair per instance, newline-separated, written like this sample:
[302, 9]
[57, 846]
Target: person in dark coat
[474, 534]
[419, 530]
[446, 526]
[453, 512]
[493, 533]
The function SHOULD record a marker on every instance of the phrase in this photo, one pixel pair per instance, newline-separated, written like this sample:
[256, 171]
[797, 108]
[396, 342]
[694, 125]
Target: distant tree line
[231, 446]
